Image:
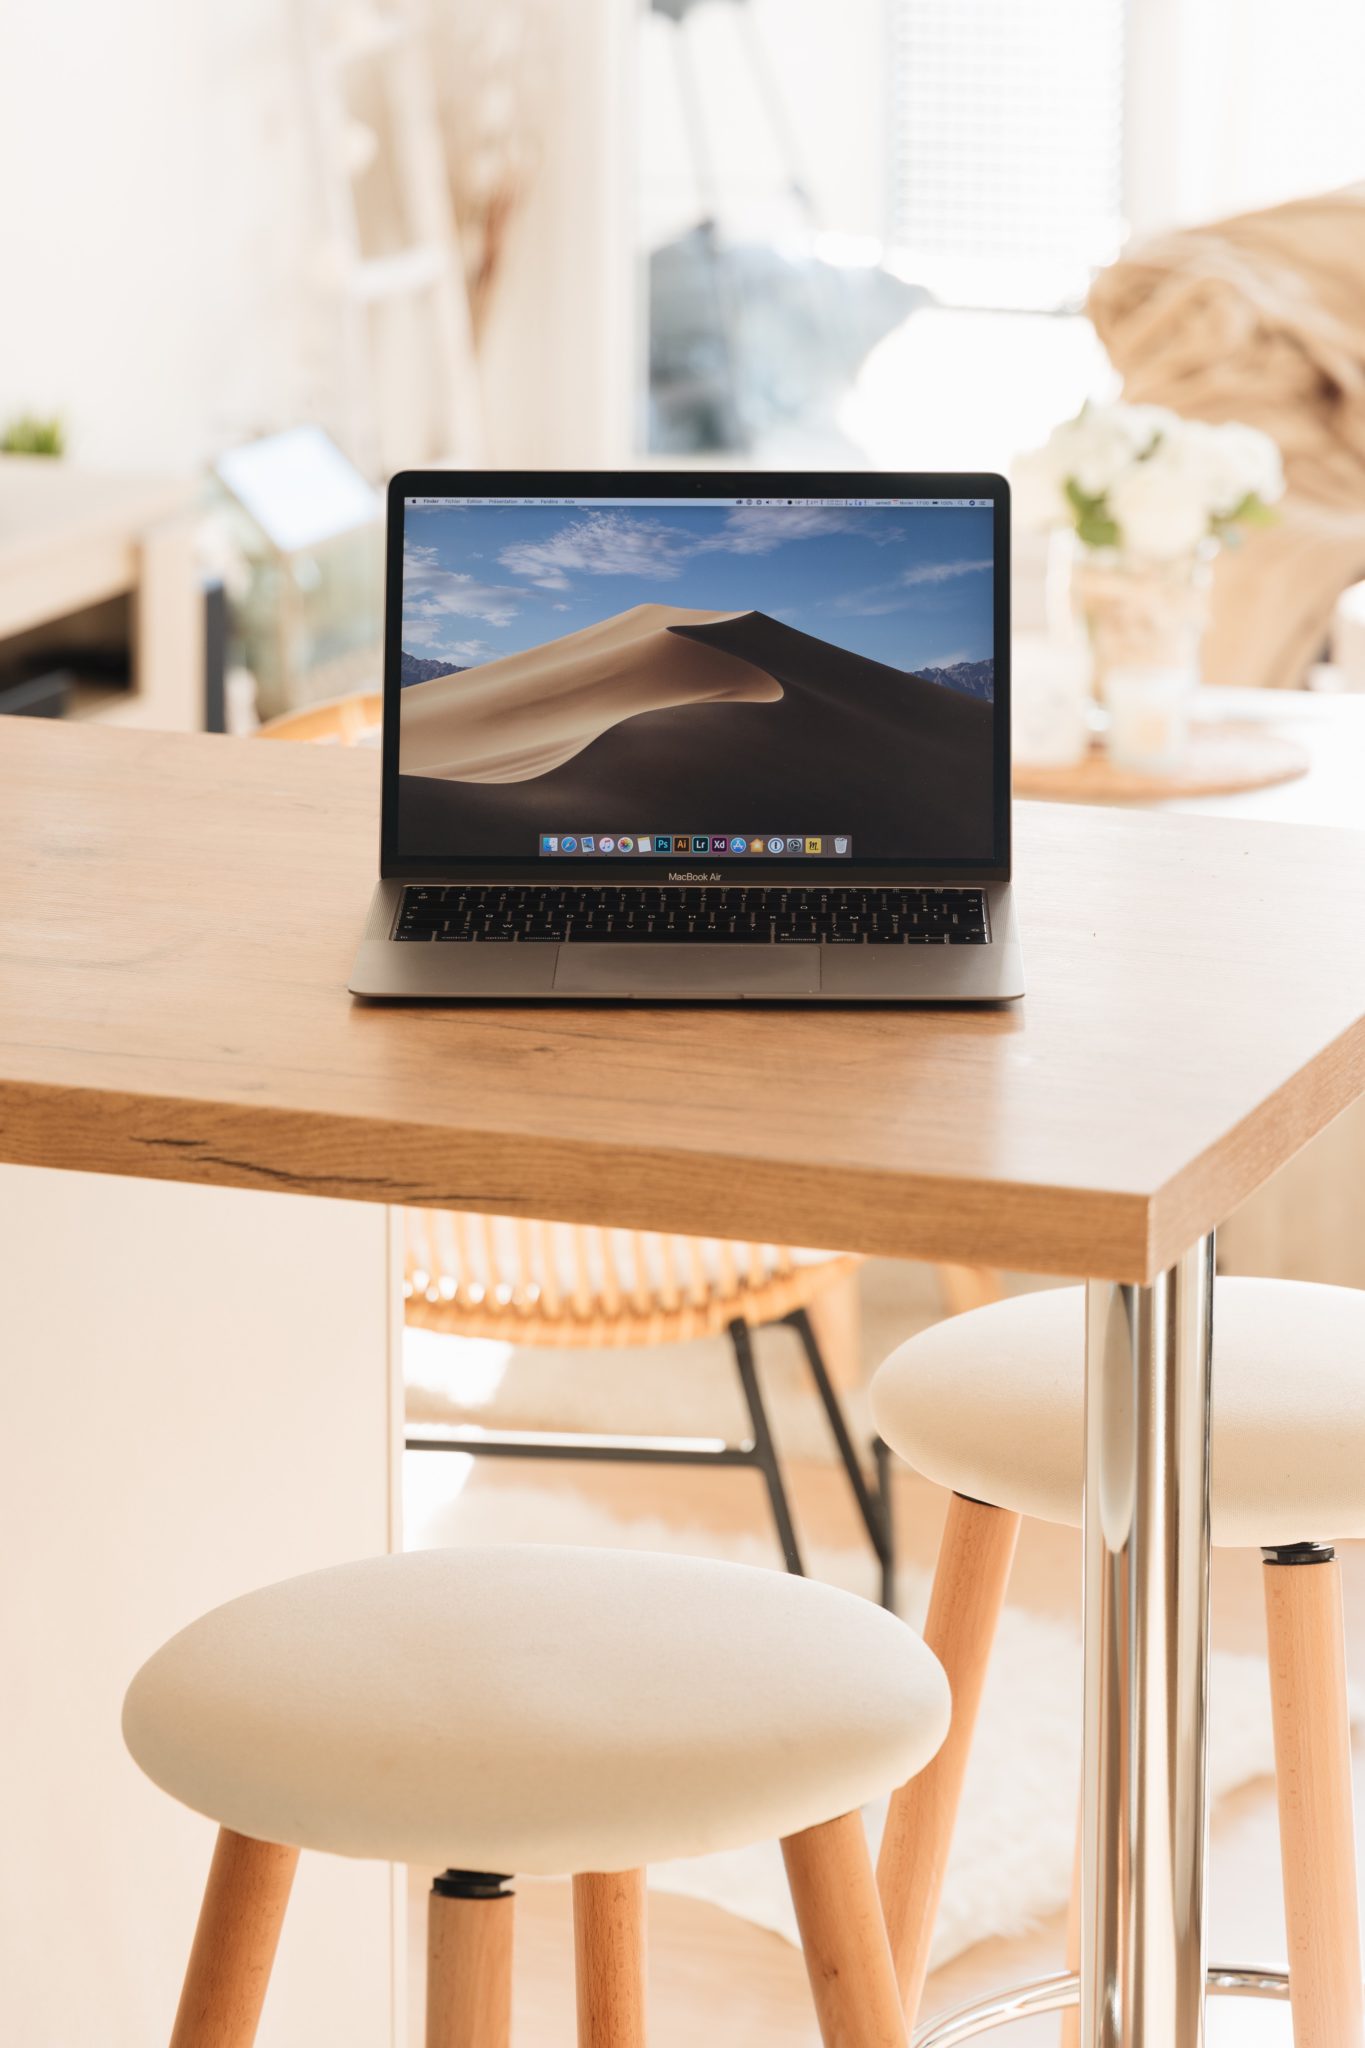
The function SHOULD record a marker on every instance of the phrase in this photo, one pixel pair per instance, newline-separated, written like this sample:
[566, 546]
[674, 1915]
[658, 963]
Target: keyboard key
[466, 913]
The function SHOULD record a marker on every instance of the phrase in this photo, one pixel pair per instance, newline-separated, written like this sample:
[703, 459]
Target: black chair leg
[765, 1451]
[874, 1507]
[881, 1457]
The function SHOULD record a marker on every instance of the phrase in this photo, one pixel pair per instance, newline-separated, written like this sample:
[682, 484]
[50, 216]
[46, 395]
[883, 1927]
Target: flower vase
[1145, 623]
[1148, 615]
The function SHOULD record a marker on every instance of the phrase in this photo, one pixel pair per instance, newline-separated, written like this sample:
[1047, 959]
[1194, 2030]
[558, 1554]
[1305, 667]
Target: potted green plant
[30, 434]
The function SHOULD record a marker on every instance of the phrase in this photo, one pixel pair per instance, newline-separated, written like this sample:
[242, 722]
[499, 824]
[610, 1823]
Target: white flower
[1224, 465]
[1161, 505]
[1092, 451]
[1244, 463]
[1164, 481]
[1104, 441]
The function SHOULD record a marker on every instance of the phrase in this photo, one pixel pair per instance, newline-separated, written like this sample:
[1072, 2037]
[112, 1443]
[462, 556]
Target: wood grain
[180, 914]
[609, 1958]
[843, 1938]
[234, 1945]
[1070, 2034]
[469, 1972]
[1306, 1635]
[964, 1608]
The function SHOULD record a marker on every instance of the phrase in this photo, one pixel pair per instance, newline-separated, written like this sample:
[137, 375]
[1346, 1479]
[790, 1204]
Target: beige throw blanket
[1262, 319]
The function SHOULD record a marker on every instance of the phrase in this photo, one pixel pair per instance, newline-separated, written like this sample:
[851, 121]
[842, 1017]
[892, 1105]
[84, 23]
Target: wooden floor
[721, 1981]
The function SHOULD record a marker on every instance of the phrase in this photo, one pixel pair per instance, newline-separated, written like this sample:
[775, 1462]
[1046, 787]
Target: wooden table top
[178, 916]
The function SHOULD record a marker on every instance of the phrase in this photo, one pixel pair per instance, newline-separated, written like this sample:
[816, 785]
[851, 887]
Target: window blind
[1006, 153]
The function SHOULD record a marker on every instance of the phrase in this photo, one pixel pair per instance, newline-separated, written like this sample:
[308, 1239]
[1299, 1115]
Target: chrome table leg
[1146, 1658]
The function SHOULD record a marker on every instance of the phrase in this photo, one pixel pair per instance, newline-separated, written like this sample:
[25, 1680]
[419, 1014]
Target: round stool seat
[992, 1404]
[536, 1710]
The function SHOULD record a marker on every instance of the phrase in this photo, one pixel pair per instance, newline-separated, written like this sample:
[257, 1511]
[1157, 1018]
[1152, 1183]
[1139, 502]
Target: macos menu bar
[679, 504]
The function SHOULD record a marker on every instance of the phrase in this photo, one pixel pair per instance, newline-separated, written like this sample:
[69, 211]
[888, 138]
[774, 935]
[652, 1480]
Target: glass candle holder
[1149, 717]
[1138, 614]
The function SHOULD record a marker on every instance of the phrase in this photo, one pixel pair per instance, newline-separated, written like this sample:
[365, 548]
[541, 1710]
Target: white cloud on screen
[624, 544]
[942, 572]
[434, 633]
[431, 593]
[758, 529]
[882, 598]
[603, 544]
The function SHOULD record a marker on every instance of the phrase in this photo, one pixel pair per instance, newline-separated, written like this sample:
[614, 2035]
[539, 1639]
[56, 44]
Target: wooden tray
[1219, 760]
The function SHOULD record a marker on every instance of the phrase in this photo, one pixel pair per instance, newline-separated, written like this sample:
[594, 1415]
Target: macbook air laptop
[695, 737]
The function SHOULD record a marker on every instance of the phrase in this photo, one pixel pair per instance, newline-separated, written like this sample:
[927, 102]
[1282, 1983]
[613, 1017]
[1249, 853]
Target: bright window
[1006, 146]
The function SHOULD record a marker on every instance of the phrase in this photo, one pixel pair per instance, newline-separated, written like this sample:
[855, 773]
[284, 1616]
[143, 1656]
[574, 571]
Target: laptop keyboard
[534, 915]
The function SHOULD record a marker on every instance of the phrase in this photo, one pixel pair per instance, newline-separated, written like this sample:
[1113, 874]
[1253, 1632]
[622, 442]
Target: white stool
[537, 1711]
[991, 1406]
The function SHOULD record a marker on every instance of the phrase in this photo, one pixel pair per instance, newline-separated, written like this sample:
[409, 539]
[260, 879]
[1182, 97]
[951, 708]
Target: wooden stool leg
[469, 1961]
[1071, 2017]
[1313, 1783]
[234, 1943]
[837, 1316]
[843, 1936]
[969, 1591]
[968, 1287]
[609, 1958]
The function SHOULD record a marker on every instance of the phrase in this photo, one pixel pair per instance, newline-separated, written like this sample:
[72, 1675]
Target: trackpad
[700, 972]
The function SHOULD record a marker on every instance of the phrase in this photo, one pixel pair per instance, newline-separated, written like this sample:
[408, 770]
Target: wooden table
[1306, 1223]
[176, 923]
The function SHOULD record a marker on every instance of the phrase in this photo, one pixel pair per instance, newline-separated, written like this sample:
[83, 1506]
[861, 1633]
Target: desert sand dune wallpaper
[528, 713]
[664, 716]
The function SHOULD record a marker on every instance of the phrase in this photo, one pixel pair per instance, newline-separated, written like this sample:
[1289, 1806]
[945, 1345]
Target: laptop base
[386, 970]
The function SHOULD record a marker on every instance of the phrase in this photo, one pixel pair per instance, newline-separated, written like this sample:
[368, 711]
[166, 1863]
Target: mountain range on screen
[678, 717]
[973, 678]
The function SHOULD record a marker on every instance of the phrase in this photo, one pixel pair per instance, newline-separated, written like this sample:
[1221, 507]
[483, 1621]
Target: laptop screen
[643, 680]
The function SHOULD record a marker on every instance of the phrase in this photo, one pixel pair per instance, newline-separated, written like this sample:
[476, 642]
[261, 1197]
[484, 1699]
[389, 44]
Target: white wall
[154, 225]
[164, 273]
[1238, 104]
[827, 66]
[559, 358]
[160, 265]
[199, 1393]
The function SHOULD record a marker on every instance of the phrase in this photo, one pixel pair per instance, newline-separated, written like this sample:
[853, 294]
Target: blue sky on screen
[910, 586]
